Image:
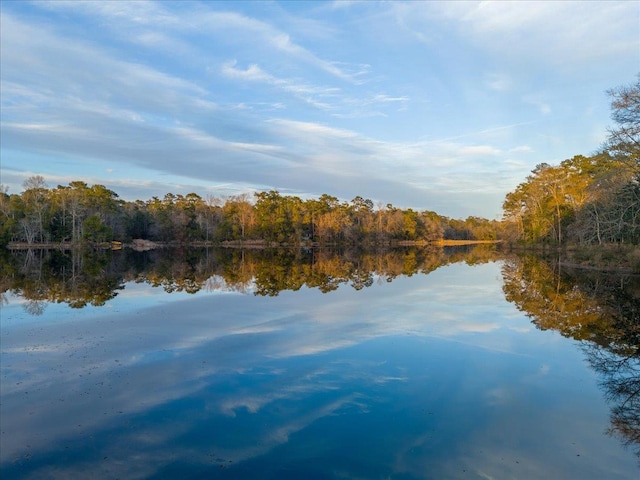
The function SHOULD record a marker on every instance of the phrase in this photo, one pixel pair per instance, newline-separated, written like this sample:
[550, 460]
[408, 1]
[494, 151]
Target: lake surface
[415, 365]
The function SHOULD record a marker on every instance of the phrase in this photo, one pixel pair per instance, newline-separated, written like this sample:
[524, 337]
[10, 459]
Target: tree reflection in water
[94, 277]
[600, 310]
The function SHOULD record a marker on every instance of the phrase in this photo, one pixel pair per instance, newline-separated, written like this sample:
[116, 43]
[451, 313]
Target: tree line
[82, 214]
[586, 199]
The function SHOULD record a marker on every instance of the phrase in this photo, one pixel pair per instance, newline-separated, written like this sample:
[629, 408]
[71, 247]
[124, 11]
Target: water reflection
[81, 278]
[407, 376]
[600, 310]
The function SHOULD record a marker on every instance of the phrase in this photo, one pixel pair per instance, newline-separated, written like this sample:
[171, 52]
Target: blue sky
[442, 106]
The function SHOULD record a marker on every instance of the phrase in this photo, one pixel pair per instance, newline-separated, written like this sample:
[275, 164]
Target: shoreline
[606, 258]
[623, 259]
[143, 245]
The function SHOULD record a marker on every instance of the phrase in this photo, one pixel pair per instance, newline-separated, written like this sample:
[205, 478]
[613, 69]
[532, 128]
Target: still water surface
[427, 376]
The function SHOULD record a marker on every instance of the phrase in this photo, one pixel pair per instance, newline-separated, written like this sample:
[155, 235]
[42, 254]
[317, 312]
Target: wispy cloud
[498, 81]
[557, 34]
[316, 96]
[537, 101]
[399, 102]
[214, 23]
[330, 99]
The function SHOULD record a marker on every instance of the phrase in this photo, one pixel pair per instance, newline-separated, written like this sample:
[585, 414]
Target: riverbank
[457, 243]
[619, 258]
[144, 245]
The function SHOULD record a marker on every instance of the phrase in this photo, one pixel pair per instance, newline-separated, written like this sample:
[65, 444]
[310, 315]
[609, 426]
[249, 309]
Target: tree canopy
[79, 213]
[585, 200]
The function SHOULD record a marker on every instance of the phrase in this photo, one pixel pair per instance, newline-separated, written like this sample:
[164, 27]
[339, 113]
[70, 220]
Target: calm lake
[405, 364]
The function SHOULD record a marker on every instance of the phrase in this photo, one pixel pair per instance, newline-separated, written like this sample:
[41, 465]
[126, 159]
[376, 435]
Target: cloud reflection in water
[427, 377]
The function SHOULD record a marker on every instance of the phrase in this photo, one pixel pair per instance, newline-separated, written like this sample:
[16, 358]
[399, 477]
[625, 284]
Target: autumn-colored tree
[592, 199]
[80, 213]
[239, 218]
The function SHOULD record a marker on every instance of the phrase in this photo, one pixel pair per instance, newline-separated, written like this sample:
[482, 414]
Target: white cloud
[498, 81]
[149, 87]
[537, 101]
[478, 150]
[521, 149]
[332, 99]
[252, 73]
[314, 95]
[205, 21]
[553, 33]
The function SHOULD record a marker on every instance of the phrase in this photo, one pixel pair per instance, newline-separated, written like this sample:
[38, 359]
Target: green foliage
[94, 230]
[273, 216]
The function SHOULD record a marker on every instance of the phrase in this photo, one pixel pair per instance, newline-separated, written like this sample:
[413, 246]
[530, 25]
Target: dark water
[410, 364]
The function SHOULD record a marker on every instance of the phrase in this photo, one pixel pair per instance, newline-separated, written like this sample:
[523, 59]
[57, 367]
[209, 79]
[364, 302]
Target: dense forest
[79, 213]
[585, 200]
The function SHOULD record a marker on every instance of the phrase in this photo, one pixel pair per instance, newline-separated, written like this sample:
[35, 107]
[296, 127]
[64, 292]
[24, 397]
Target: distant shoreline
[455, 243]
[143, 245]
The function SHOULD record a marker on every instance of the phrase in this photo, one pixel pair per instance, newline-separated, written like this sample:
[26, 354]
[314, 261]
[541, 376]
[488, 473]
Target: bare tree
[624, 139]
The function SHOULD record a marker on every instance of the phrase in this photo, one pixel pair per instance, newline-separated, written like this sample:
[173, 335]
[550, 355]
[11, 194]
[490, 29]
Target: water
[413, 376]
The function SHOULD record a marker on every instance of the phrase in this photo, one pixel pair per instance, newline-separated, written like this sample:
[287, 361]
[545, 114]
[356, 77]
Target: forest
[584, 200]
[82, 214]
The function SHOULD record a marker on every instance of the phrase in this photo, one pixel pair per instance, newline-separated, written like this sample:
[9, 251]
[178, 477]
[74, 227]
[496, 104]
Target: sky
[443, 106]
